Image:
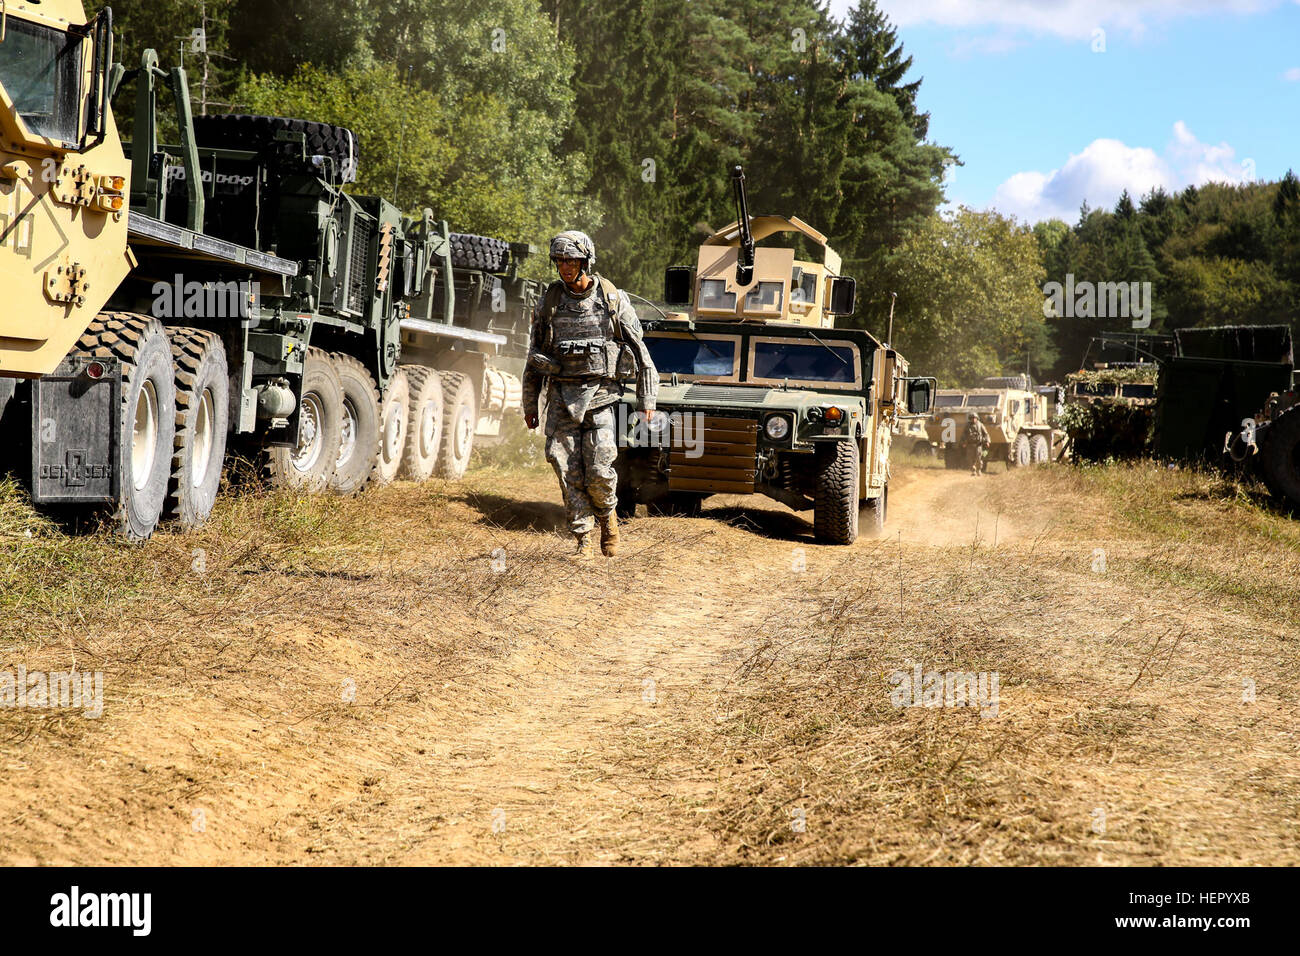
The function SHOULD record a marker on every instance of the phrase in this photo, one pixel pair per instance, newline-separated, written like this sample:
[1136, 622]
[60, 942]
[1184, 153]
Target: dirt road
[438, 683]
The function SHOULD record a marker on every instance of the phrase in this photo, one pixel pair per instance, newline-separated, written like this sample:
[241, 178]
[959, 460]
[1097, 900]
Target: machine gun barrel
[745, 259]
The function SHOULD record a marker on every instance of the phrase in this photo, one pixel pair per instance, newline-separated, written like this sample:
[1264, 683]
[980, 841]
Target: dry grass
[228, 653]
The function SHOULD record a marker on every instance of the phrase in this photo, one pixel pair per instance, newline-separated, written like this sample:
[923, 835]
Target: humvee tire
[140, 345]
[424, 428]
[460, 416]
[394, 418]
[676, 504]
[359, 432]
[923, 449]
[202, 413]
[478, 252]
[310, 466]
[1021, 455]
[1039, 451]
[835, 503]
[1279, 457]
[876, 512]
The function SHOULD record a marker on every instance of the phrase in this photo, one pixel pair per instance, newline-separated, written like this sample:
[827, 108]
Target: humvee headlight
[777, 427]
[834, 415]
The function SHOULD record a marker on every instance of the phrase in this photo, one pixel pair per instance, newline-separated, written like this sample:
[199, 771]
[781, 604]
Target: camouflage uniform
[574, 356]
[976, 439]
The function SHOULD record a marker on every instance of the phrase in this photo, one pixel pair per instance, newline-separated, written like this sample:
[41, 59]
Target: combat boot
[609, 535]
[583, 553]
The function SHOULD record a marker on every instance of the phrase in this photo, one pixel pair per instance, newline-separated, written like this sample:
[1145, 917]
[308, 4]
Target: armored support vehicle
[1017, 416]
[760, 394]
[164, 300]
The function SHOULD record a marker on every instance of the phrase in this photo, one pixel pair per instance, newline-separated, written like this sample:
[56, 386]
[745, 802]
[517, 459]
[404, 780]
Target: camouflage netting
[1105, 430]
[1145, 375]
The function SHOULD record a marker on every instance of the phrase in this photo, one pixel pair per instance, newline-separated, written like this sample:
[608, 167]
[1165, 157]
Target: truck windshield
[1138, 390]
[983, 400]
[948, 401]
[688, 356]
[40, 69]
[805, 362]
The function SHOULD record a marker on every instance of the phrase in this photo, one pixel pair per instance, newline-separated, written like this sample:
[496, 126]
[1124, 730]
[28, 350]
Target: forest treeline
[518, 118]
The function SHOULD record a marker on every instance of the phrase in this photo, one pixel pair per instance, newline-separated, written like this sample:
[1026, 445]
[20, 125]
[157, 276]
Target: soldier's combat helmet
[572, 244]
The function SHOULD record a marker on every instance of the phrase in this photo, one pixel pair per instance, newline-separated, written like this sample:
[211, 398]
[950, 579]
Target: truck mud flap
[76, 428]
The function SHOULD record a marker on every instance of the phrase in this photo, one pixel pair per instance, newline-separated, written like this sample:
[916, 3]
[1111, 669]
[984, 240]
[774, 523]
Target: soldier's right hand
[530, 419]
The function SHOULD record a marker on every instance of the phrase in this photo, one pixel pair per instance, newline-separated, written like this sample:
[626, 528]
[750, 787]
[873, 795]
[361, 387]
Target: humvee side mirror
[920, 392]
[843, 297]
[677, 285]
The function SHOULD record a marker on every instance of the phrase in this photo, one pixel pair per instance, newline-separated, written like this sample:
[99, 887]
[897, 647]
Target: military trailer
[168, 299]
[1016, 414]
[760, 393]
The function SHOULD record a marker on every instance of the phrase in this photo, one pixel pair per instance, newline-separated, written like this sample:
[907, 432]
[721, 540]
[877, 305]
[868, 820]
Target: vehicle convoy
[166, 299]
[760, 393]
[1018, 417]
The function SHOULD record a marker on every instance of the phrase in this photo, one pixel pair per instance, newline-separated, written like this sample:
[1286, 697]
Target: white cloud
[1292, 75]
[1107, 167]
[1074, 19]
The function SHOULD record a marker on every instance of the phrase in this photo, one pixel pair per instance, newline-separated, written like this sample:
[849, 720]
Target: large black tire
[1279, 456]
[875, 512]
[923, 449]
[459, 420]
[424, 428]
[140, 345]
[202, 415]
[954, 456]
[1039, 450]
[359, 434]
[835, 503]
[310, 466]
[1020, 456]
[256, 133]
[478, 252]
[394, 419]
[676, 504]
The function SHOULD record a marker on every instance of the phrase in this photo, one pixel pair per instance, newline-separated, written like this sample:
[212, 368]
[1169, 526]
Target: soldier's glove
[530, 419]
[543, 363]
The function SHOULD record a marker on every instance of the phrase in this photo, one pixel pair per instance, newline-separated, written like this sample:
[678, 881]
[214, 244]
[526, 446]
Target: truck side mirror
[677, 285]
[920, 394]
[843, 297]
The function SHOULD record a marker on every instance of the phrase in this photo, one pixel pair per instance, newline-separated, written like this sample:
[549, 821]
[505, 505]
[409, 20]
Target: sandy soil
[464, 693]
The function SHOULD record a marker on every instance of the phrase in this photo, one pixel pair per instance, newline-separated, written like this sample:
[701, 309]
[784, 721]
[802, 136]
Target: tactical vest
[586, 343]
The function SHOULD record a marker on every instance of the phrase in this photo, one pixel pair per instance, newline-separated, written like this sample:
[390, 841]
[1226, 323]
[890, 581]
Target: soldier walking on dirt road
[975, 439]
[586, 338]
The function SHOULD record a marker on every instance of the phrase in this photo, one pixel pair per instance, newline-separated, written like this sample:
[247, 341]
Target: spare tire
[257, 133]
[1279, 456]
[479, 252]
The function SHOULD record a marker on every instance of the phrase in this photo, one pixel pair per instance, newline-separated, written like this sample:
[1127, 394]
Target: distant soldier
[975, 439]
[585, 338]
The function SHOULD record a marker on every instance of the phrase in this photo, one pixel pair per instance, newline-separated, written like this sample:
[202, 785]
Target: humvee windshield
[689, 356]
[811, 362]
[40, 68]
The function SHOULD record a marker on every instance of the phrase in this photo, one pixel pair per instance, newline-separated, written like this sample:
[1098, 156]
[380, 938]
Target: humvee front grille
[725, 393]
[723, 457]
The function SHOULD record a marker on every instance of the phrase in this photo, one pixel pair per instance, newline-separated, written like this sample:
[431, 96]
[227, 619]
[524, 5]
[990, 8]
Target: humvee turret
[759, 393]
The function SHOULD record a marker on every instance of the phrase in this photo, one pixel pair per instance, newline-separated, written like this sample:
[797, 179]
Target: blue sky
[1186, 91]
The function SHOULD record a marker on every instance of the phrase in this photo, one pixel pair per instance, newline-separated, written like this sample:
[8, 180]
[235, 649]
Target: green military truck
[760, 394]
[170, 301]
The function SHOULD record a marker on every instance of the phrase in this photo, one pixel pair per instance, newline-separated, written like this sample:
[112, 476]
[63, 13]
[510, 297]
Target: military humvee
[760, 394]
[1017, 416]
